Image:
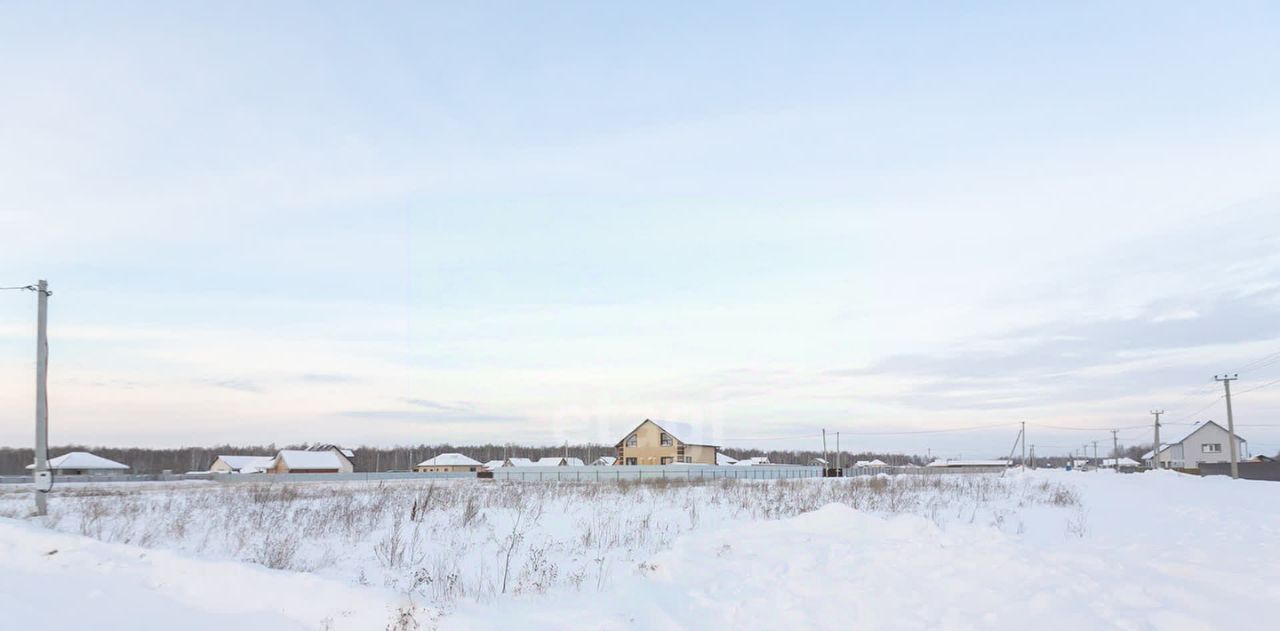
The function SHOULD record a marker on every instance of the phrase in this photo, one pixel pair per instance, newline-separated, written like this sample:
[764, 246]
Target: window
[665, 440]
[632, 440]
[631, 461]
[1211, 448]
[666, 460]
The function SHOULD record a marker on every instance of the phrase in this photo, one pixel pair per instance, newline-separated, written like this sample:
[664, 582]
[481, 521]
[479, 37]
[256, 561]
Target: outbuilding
[305, 461]
[449, 463]
[83, 463]
[241, 464]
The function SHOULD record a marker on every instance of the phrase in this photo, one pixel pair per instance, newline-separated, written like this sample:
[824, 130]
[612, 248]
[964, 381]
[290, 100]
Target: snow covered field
[1052, 549]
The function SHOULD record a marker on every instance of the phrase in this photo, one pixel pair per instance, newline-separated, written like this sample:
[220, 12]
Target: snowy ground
[1056, 550]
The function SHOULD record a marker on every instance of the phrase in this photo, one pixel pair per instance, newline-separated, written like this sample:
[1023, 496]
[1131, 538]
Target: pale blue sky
[385, 223]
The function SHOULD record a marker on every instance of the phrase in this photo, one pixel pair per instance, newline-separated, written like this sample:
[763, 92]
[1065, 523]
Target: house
[961, 464]
[83, 463]
[871, 463]
[650, 443]
[518, 462]
[1110, 463]
[753, 461]
[1208, 442]
[724, 460]
[558, 461]
[241, 464]
[307, 461]
[604, 461]
[494, 464]
[819, 462]
[448, 463]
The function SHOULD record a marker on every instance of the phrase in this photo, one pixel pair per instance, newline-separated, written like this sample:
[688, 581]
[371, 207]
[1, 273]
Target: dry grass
[444, 541]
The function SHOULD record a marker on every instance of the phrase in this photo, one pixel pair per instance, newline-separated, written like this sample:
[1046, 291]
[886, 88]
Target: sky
[394, 223]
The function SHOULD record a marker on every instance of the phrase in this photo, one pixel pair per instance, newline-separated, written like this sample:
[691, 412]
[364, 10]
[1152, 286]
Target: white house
[241, 464]
[306, 461]
[83, 463]
[448, 463]
[557, 461]
[1208, 442]
[1109, 463]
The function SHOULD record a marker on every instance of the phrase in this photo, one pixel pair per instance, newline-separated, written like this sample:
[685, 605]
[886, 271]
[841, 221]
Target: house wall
[1192, 452]
[649, 449]
[219, 466]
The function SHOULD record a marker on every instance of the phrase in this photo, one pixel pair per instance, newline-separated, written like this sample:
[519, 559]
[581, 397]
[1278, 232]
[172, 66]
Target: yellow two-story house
[650, 443]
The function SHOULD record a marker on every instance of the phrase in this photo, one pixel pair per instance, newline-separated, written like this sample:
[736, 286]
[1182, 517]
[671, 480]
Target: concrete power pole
[1155, 452]
[838, 450]
[1231, 425]
[42, 477]
[1095, 455]
[1024, 445]
[1115, 451]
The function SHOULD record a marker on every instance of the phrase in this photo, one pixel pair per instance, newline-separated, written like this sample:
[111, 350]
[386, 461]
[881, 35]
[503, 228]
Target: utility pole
[824, 448]
[837, 450]
[1231, 425]
[1115, 451]
[1024, 445]
[42, 477]
[1155, 452]
[1096, 464]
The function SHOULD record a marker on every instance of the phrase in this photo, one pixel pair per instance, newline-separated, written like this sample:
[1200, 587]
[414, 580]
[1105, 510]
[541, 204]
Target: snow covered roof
[968, 463]
[556, 461]
[722, 459]
[752, 461]
[81, 460]
[604, 461]
[299, 459]
[242, 463]
[494, 464]
[871, 463]
[1198, 427]
[520, 462]
[1124, 462]
[450, 460]
[1163, 448]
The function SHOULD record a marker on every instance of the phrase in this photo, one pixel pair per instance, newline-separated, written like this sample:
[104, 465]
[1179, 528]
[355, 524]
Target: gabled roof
[81, 460]
[557, 461]
[299, 459]
[520, 462]
[686, 433]
[240, 463]
[723, 460]
[494, 464]
[450, 460]
[1199, 427]
[604, 461]
[968, 463]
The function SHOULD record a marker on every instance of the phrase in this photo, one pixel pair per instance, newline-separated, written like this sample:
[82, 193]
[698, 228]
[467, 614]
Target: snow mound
[49, 578]
[841, 568]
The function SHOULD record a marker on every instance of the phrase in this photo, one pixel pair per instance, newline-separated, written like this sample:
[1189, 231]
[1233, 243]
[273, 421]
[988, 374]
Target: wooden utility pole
[1024, 445]
[1231, 425]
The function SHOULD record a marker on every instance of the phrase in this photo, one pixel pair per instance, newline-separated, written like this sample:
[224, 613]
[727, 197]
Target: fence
[1248, 470]
[527, 474]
